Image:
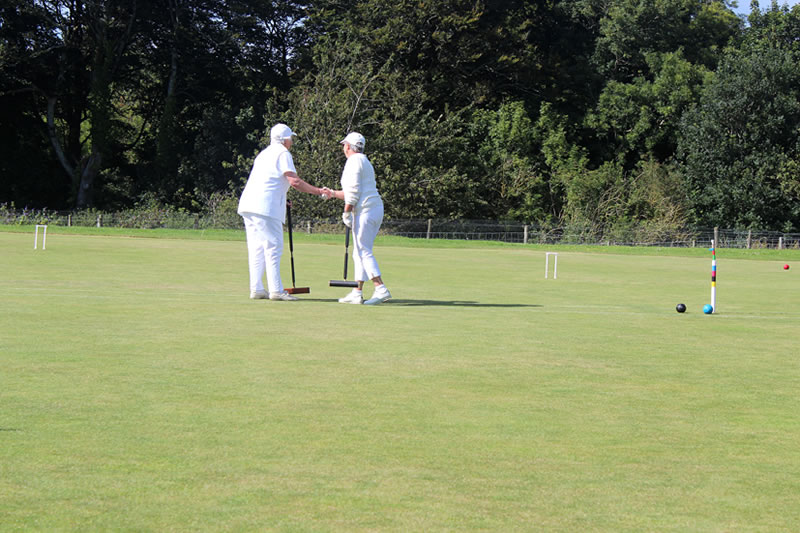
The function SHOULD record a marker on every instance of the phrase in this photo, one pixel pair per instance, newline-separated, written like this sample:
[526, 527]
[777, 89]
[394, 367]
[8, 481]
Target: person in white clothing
[363, 212]
[263, 208]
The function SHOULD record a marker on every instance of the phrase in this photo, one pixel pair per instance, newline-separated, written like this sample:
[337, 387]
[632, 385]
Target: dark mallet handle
[289, 223]
[346, 246]
[344, 282]
[291, 245]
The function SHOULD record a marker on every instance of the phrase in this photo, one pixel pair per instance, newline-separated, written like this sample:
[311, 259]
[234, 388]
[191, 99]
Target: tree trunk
[88, 175]
[166, 160]
[51, 132]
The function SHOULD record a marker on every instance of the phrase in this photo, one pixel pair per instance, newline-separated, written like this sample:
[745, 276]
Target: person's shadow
[450, 303]
[431, 303]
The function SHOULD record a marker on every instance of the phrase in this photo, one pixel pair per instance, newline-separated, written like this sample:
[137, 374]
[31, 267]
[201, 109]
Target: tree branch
[51, 131]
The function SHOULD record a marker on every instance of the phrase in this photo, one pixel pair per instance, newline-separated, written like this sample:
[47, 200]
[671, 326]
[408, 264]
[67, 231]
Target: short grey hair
[358, 147]
[355, 141]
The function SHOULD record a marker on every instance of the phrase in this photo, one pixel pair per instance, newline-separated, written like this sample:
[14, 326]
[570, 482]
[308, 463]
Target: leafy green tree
[157, 97]
[216, 68]
[73, 54]
[418, 154]
[641, 118]
[739, 147]
[652, 58]
[507, 153]
[26, 178]
[463, 52]
[428, 84]
[562, 160]
[563, 110]
[629, 30]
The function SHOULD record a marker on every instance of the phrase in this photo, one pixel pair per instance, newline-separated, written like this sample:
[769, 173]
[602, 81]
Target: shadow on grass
[432, 303]
[451, 303]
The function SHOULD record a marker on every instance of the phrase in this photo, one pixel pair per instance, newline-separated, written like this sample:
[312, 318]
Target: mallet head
[345, 283]
[298, 290]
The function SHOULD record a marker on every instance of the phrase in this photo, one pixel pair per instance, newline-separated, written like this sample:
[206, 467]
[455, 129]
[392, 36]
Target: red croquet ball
[786, 267]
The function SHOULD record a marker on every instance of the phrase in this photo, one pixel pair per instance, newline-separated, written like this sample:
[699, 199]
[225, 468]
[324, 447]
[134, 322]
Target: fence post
[749, 238]
[716, 237]
[428, 236]
[69, 220]
[525, 235]
[780, 243]
[308, 227]
[99, 219]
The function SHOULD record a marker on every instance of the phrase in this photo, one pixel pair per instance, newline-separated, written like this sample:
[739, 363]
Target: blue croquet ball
[680, 308]
[707, 309]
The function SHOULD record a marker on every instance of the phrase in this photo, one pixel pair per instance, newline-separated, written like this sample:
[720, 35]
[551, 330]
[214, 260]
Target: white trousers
[365, 228]
[264, 250]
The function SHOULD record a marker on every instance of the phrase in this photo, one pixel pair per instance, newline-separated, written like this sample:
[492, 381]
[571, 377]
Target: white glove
[347, 218]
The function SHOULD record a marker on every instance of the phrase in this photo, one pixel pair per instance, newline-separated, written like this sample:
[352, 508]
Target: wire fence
[643, 235]
[511, 232]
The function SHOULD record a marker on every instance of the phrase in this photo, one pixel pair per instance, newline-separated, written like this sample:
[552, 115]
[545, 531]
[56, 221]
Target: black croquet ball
[680, 308]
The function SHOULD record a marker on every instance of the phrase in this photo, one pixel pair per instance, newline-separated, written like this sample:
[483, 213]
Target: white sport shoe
[285, 296]
[259, 295]
[353, 297]
[379, 296]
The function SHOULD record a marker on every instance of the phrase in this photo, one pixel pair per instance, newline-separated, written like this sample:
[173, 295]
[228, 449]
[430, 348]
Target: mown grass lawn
[140, 389]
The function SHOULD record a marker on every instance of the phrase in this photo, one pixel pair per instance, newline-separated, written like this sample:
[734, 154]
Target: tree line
[602, 113]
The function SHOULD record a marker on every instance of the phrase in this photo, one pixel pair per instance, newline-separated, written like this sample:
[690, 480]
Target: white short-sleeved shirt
[358, 183]
[265, 191]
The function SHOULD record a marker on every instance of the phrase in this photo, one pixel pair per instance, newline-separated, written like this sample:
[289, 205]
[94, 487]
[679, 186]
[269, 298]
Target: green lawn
[141, 390]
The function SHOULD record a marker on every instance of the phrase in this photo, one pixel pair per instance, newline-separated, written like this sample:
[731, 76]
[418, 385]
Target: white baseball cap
[354, 139]
[281, 132]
